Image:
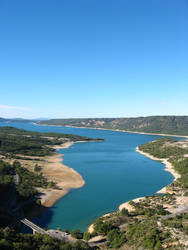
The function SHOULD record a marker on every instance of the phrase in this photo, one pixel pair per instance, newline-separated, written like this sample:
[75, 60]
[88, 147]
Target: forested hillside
[151, 124]
[19, 141]
[23, 182]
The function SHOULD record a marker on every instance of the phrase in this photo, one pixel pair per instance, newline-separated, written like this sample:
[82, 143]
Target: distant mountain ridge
[177, 125]
[22, 119]
[14, 120]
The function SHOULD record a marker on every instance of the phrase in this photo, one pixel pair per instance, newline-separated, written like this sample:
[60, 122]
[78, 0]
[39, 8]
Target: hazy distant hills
[177, 125]
[21, 119]
[14, 120]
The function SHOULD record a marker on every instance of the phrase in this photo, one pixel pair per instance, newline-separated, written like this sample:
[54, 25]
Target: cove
[113, 171]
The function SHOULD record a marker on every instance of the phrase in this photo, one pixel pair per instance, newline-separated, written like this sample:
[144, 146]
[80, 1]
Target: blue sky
[96, 58]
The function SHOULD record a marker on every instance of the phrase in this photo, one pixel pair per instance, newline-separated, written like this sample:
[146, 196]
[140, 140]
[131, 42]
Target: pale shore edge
[168, 167]
[51, 196]
[118, 130]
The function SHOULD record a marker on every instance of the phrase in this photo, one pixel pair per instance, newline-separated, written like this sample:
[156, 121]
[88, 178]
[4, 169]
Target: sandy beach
[65, 178]
[168, 167]
[127, 206]
[181, 202]
[52, 167]
[143, 133]
[165, 161]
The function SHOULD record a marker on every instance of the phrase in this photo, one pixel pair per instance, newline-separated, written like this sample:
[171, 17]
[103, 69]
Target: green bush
[116, 238]
[103, 227]
[124, 212]
[86, 236]
[77, 234]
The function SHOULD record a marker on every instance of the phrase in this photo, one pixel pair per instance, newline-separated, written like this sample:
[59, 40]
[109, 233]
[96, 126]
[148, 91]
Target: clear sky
[93, 58]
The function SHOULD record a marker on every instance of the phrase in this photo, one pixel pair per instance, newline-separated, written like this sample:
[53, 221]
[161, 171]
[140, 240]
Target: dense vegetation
[23, 145]
[146, 234]
[163, 148]
[18, 186]
[136, 231]
[6, 175]
[28, 181]
[10, 240]
[19, 141]
[152, 124]
[178, 222]
[169, 148]
[149, 225]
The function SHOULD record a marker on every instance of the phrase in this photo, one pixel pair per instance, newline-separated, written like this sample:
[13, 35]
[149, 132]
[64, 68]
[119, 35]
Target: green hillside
[177, 125]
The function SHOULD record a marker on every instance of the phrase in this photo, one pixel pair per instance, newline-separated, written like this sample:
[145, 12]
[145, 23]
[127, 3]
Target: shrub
[116, 238]
[77, 234]
[86, 236]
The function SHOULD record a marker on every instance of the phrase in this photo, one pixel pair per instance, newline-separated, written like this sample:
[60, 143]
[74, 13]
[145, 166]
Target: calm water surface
[113, 171]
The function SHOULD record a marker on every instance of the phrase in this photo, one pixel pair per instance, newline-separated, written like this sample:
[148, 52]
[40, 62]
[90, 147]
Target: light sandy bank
[181, 201]
[118, 130]
[91, 227]
[168, 167]
[65, 178]
[127, 206]
[130, 208]
[144, 133]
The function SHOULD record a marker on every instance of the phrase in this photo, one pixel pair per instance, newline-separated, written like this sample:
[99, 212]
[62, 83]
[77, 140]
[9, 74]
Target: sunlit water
[113, 171]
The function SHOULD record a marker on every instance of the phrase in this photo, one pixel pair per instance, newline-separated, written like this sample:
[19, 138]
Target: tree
[4, 244]
[116, 238]
[124, 212]
[103, 227]
[86, 236]
[37, 168]
[77, 234]
[80, 245]
[38, 202]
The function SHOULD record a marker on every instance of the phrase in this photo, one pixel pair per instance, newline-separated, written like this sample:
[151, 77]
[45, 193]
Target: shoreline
[65, 178]
[126, 205]
[168, 167]
[118, 130]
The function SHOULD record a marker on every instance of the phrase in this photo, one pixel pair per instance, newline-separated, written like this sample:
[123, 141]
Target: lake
[113, 171]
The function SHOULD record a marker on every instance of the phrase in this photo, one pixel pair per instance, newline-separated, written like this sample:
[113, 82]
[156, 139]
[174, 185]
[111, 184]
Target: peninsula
[31, 158]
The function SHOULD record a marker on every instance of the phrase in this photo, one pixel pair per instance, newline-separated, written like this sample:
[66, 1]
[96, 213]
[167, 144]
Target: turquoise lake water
[113, 171]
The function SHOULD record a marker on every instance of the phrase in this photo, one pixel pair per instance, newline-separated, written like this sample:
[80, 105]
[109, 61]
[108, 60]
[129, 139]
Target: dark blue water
[114, 173]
